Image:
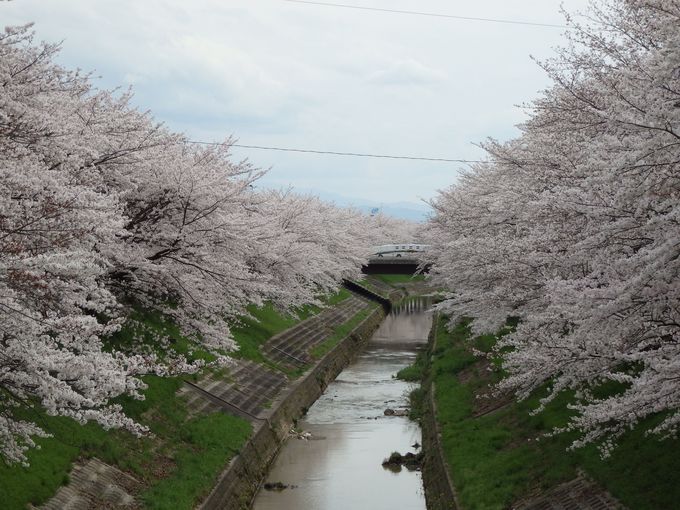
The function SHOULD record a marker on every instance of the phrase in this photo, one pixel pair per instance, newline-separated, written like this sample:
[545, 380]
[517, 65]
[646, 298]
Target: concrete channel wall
[239, 482]
[440, 493]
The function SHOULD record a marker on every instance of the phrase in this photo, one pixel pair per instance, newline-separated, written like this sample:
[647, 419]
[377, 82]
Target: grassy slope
[365, 282]
[178, 465]
[267, 322]
[174, 451]
[393, 279]
[495, 459]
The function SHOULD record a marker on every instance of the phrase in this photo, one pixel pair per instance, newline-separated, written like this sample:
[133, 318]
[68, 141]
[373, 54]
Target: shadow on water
[340, 467]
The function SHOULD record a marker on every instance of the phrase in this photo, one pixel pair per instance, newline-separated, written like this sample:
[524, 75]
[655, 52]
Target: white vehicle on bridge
[409, 250]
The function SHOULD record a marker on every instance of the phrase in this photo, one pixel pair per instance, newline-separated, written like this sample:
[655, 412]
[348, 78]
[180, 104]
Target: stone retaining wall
[239, 482]
[440, 494]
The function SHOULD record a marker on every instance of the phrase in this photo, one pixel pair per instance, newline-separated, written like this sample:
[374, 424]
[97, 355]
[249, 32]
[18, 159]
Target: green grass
[214, 439]
[496, 459]
[266, 321]
[189, 444]
[51, 463]
[184, 445]
[180, 461]
[365, 282]
[416, 403]
[416, 371]
[395, 279]
[339, 296]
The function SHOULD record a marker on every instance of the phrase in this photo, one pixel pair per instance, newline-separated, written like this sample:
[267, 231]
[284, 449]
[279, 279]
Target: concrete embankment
[338, 464]
[229, 421]
[376, 290]
[440, 493]
[239, 482]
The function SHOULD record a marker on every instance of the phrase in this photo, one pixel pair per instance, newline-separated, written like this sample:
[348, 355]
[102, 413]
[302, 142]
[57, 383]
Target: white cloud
[283, 74]
[407, 72]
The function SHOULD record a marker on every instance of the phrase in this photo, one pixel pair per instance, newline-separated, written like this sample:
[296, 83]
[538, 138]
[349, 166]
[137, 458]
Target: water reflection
[412, 305]
[340, 468]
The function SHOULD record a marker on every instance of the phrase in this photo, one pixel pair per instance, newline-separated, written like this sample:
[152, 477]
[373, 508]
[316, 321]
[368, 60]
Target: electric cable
[336, 153]
[430, 14]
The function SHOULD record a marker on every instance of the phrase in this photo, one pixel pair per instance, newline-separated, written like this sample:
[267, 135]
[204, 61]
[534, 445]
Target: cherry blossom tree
[102, 211]
[573, 226]
[54, 212]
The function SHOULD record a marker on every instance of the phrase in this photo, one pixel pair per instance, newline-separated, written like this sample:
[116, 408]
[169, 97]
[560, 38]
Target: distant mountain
[414, 211]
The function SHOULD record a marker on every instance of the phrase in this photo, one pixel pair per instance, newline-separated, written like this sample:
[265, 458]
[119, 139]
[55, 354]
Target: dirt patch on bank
[487, 400]
[580, 493]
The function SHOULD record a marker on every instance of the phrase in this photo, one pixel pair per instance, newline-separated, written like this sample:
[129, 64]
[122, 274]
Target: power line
[430, 14]
[334, 153]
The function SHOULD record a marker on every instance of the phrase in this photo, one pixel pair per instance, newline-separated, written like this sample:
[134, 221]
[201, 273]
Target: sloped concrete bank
[389, 296]
[238, 483]
[440, 493]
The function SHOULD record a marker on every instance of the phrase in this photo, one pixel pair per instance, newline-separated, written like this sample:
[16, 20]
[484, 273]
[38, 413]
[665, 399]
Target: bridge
[392, 265]
[403, 258]
[394, 261]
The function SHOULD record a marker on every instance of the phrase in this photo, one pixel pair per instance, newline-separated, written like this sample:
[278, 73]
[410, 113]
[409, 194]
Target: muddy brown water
[340, 467]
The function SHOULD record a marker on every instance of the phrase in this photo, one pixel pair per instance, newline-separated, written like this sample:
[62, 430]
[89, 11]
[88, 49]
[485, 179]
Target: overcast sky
[277, 73]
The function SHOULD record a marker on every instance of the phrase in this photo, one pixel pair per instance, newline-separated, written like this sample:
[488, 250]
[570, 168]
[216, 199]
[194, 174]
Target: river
[340, 466]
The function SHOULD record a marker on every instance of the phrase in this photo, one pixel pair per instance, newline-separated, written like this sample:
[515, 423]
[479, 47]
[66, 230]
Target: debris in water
[411, 461]
[302, 434]
[275, 486]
